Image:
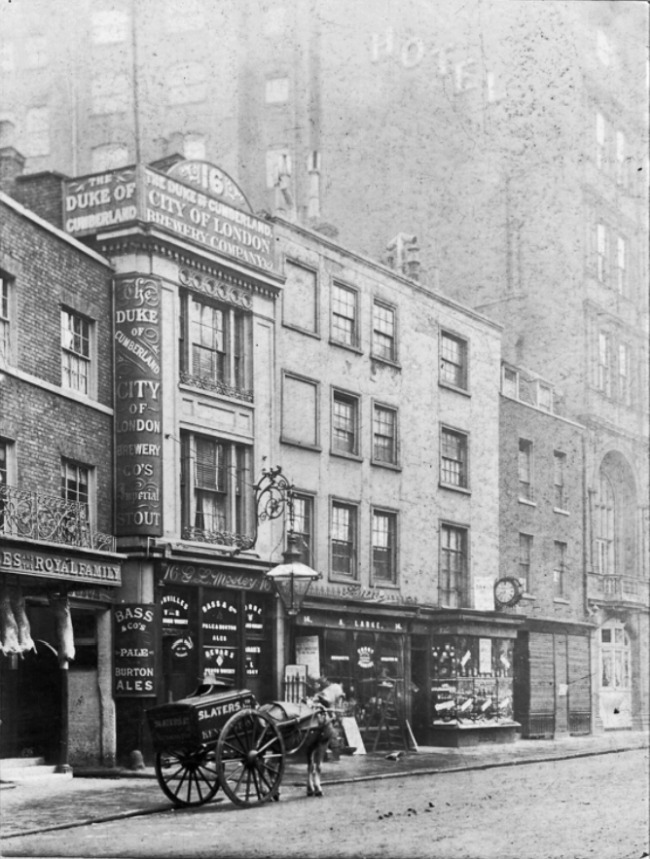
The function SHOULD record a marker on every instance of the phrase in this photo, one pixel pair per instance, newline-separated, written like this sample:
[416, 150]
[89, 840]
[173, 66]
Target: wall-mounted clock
[507, 592]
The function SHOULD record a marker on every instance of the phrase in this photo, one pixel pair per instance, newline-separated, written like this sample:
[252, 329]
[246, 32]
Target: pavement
[99, 795]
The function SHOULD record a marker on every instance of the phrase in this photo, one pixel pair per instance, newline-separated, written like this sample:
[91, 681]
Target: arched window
[604, 526]
[614, 656]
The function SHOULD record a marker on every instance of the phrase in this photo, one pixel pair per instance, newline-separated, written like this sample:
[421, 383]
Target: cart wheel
[250, 758]
[188, 776]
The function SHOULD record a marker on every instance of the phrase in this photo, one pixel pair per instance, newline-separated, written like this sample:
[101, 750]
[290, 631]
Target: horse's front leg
[310, 773]
[318, 757]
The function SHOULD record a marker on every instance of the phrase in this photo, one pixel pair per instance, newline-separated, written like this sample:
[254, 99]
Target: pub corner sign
[194, 200]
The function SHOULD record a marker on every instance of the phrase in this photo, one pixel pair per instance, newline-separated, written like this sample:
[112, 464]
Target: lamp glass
[291, 582]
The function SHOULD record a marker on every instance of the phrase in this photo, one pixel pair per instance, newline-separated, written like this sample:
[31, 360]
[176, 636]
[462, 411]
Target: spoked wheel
[250, 758]
[188, 776]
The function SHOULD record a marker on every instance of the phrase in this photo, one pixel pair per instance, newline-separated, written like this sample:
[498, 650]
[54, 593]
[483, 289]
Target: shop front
[55, 656]
[462, 663]
[366, 649]
[217, 624]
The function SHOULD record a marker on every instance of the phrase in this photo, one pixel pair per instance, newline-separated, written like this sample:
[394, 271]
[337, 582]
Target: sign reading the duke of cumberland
[195, 201]
[134, 653]
[138, 407]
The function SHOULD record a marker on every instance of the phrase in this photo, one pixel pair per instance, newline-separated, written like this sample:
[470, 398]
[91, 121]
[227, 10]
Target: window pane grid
[344, 425]
[559, 569]
[343, 540]
[75, 358]
[384, 332]
[454, 459]
[453, 361]
[302, 526]
[453, 565]
[344, 303]
[525, 469]
[384, 435]
[74, 484]
[383, 546]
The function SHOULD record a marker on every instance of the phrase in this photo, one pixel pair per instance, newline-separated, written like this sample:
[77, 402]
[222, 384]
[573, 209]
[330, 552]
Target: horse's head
[331, 696]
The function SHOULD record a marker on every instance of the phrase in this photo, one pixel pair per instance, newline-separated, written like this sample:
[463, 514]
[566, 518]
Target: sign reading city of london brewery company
[195, 201]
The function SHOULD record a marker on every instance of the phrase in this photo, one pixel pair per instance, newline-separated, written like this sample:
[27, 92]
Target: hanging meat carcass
[9, 634]
[25, 641]
[65, 636]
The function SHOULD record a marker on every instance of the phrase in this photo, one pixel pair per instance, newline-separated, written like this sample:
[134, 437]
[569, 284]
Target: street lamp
[292, 578]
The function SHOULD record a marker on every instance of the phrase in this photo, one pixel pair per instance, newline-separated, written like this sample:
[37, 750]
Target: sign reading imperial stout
[195, 201]
[134, 651]
[138, 407]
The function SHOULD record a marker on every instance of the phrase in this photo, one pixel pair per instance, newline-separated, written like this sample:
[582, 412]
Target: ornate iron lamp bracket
[274, 495]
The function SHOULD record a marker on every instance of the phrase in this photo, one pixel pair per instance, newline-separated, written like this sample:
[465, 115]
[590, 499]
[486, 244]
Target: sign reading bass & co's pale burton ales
[138, 407]
[134, 655]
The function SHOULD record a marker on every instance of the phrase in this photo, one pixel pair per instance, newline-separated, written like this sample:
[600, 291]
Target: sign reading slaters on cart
[195, 201]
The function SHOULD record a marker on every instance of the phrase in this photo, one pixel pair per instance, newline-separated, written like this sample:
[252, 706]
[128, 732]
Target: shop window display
[471, 680]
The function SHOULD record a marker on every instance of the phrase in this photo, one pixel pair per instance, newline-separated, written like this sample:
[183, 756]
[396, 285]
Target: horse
[327, 703]
[309, 725]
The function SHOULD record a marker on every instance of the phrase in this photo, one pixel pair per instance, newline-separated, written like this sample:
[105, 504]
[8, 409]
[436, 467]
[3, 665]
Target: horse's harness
[303, 719]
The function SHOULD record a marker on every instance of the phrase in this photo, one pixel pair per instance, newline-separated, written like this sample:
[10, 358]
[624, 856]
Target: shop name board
[53, 567]
[194, 201]
[187, 574]
[134, 651]
[138, 407]
[358, 593]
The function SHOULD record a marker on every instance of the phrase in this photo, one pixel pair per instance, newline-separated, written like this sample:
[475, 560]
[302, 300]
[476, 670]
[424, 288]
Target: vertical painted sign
[134, 654]
[138, 407]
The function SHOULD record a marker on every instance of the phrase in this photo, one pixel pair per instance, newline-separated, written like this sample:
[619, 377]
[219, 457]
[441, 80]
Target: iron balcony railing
[35, 516]
[222, 538]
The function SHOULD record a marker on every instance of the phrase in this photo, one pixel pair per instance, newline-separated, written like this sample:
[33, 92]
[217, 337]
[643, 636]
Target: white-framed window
[453, 360]
[604, 526]
[276, 90]
[343, 539]
[109, 93]
[525, 556]
[7, 478]
[559, 478]
[384, 434]
[109, 26]
[76, 487]
[300, 410]
[559, 569]
[216, 347]
[602, 253]
[624, 387]
[454, 449]
[303, 526]
[384, 339]
[217, 489]
[615, 656]
[345, 423]
[345, 323]
[6, 297]
[76, 365]
[525, 469]
[454, 566]
[37, 132]
[604, 368]
[35, 52]
[300, 297]
[384, 546]
[621, 266]
[186, 83]
[109, 156]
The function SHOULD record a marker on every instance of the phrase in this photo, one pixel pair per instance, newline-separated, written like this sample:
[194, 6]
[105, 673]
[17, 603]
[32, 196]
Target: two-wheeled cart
[223, 739]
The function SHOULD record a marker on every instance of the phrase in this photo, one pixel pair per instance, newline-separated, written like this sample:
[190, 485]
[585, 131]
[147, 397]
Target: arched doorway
[615, 676]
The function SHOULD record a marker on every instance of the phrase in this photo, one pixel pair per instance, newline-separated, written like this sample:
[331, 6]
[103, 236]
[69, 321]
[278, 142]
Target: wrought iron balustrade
[221, 538]
[36, 516]
[217, 387]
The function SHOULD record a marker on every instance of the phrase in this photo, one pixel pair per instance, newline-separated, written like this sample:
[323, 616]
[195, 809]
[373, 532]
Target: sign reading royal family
[195, 201]
[138, 407]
